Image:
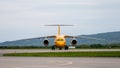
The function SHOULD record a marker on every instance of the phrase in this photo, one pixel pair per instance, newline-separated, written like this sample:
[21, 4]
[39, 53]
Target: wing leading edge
[84, 37]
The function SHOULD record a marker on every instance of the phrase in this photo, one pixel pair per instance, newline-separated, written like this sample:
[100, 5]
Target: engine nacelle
[46, 42]
[74, 42]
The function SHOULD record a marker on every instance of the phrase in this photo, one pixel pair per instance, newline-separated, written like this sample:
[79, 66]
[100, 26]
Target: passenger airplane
[60, 41]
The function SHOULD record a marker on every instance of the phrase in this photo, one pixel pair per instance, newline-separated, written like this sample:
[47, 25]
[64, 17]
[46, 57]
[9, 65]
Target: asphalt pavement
[58, 62]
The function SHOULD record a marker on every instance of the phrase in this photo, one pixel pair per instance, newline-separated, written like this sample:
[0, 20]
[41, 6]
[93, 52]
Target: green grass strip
[68, 54]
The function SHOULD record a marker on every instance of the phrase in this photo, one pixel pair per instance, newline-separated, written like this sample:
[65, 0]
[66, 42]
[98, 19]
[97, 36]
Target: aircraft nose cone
[60, 44]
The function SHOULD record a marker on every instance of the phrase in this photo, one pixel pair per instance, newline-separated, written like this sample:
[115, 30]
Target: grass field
[68, 54]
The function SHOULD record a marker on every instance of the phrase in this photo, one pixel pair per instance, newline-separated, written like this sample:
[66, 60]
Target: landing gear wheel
[66, 47]
[53, 47]
[60, 48]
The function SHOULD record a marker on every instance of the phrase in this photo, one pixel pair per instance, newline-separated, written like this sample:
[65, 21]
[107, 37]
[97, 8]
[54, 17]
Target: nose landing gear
[66, 47]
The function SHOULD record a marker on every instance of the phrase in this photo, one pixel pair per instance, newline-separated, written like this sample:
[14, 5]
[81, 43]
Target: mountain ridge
[111, 37]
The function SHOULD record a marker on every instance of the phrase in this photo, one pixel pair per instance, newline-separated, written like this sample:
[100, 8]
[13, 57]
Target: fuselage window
[60, 40]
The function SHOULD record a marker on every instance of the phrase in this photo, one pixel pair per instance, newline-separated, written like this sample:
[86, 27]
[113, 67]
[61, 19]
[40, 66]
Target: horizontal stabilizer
[59, 25]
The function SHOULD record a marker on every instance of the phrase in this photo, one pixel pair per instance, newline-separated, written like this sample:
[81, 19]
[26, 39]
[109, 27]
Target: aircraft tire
[66, 47]
[53, 47]
[60, 48]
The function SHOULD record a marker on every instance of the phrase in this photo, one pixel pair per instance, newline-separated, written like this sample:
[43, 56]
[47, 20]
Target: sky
[21, 19]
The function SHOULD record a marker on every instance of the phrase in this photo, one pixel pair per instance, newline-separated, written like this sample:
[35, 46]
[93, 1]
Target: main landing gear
[66, 47]
[53, 47]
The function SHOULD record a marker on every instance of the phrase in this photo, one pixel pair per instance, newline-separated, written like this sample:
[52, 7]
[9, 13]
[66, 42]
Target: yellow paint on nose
[60, 43]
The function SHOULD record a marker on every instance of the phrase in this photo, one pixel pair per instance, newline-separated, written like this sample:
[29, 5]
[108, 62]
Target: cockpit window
[60, 40]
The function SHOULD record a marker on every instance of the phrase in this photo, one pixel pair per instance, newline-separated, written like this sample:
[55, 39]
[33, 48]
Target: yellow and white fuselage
[60, 41]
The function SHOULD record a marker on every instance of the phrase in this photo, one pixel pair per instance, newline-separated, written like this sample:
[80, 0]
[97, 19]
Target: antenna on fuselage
[58, 27]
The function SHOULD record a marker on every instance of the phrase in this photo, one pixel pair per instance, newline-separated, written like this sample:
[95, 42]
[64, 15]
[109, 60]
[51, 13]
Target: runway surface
[49, 50]
[57, 62]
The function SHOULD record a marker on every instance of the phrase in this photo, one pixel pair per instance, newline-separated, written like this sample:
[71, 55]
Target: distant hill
[111, 37]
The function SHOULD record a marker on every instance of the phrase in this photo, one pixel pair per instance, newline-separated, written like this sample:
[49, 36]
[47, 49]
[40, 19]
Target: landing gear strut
[53, 47]
[60, 48]
[66, 47]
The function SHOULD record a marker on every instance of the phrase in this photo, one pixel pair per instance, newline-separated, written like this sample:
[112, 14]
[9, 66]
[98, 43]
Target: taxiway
[57, 62]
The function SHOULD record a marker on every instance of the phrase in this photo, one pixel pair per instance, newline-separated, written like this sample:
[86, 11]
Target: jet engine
[74, 42]
[46, 42]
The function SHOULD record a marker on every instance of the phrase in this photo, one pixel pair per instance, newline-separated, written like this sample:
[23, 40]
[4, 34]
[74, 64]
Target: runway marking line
[62, 62]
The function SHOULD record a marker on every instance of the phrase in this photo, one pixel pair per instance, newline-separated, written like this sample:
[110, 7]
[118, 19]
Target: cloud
[44, 2]
[76, 3]
[27, 17]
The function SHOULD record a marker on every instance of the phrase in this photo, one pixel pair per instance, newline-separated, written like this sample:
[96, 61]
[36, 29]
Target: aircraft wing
[67, 36]
[84, 37]
[50, 36]
[43, 37]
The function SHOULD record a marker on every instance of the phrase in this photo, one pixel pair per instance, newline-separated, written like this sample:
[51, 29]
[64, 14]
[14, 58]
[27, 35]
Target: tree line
[82, 46]
[107, 46]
